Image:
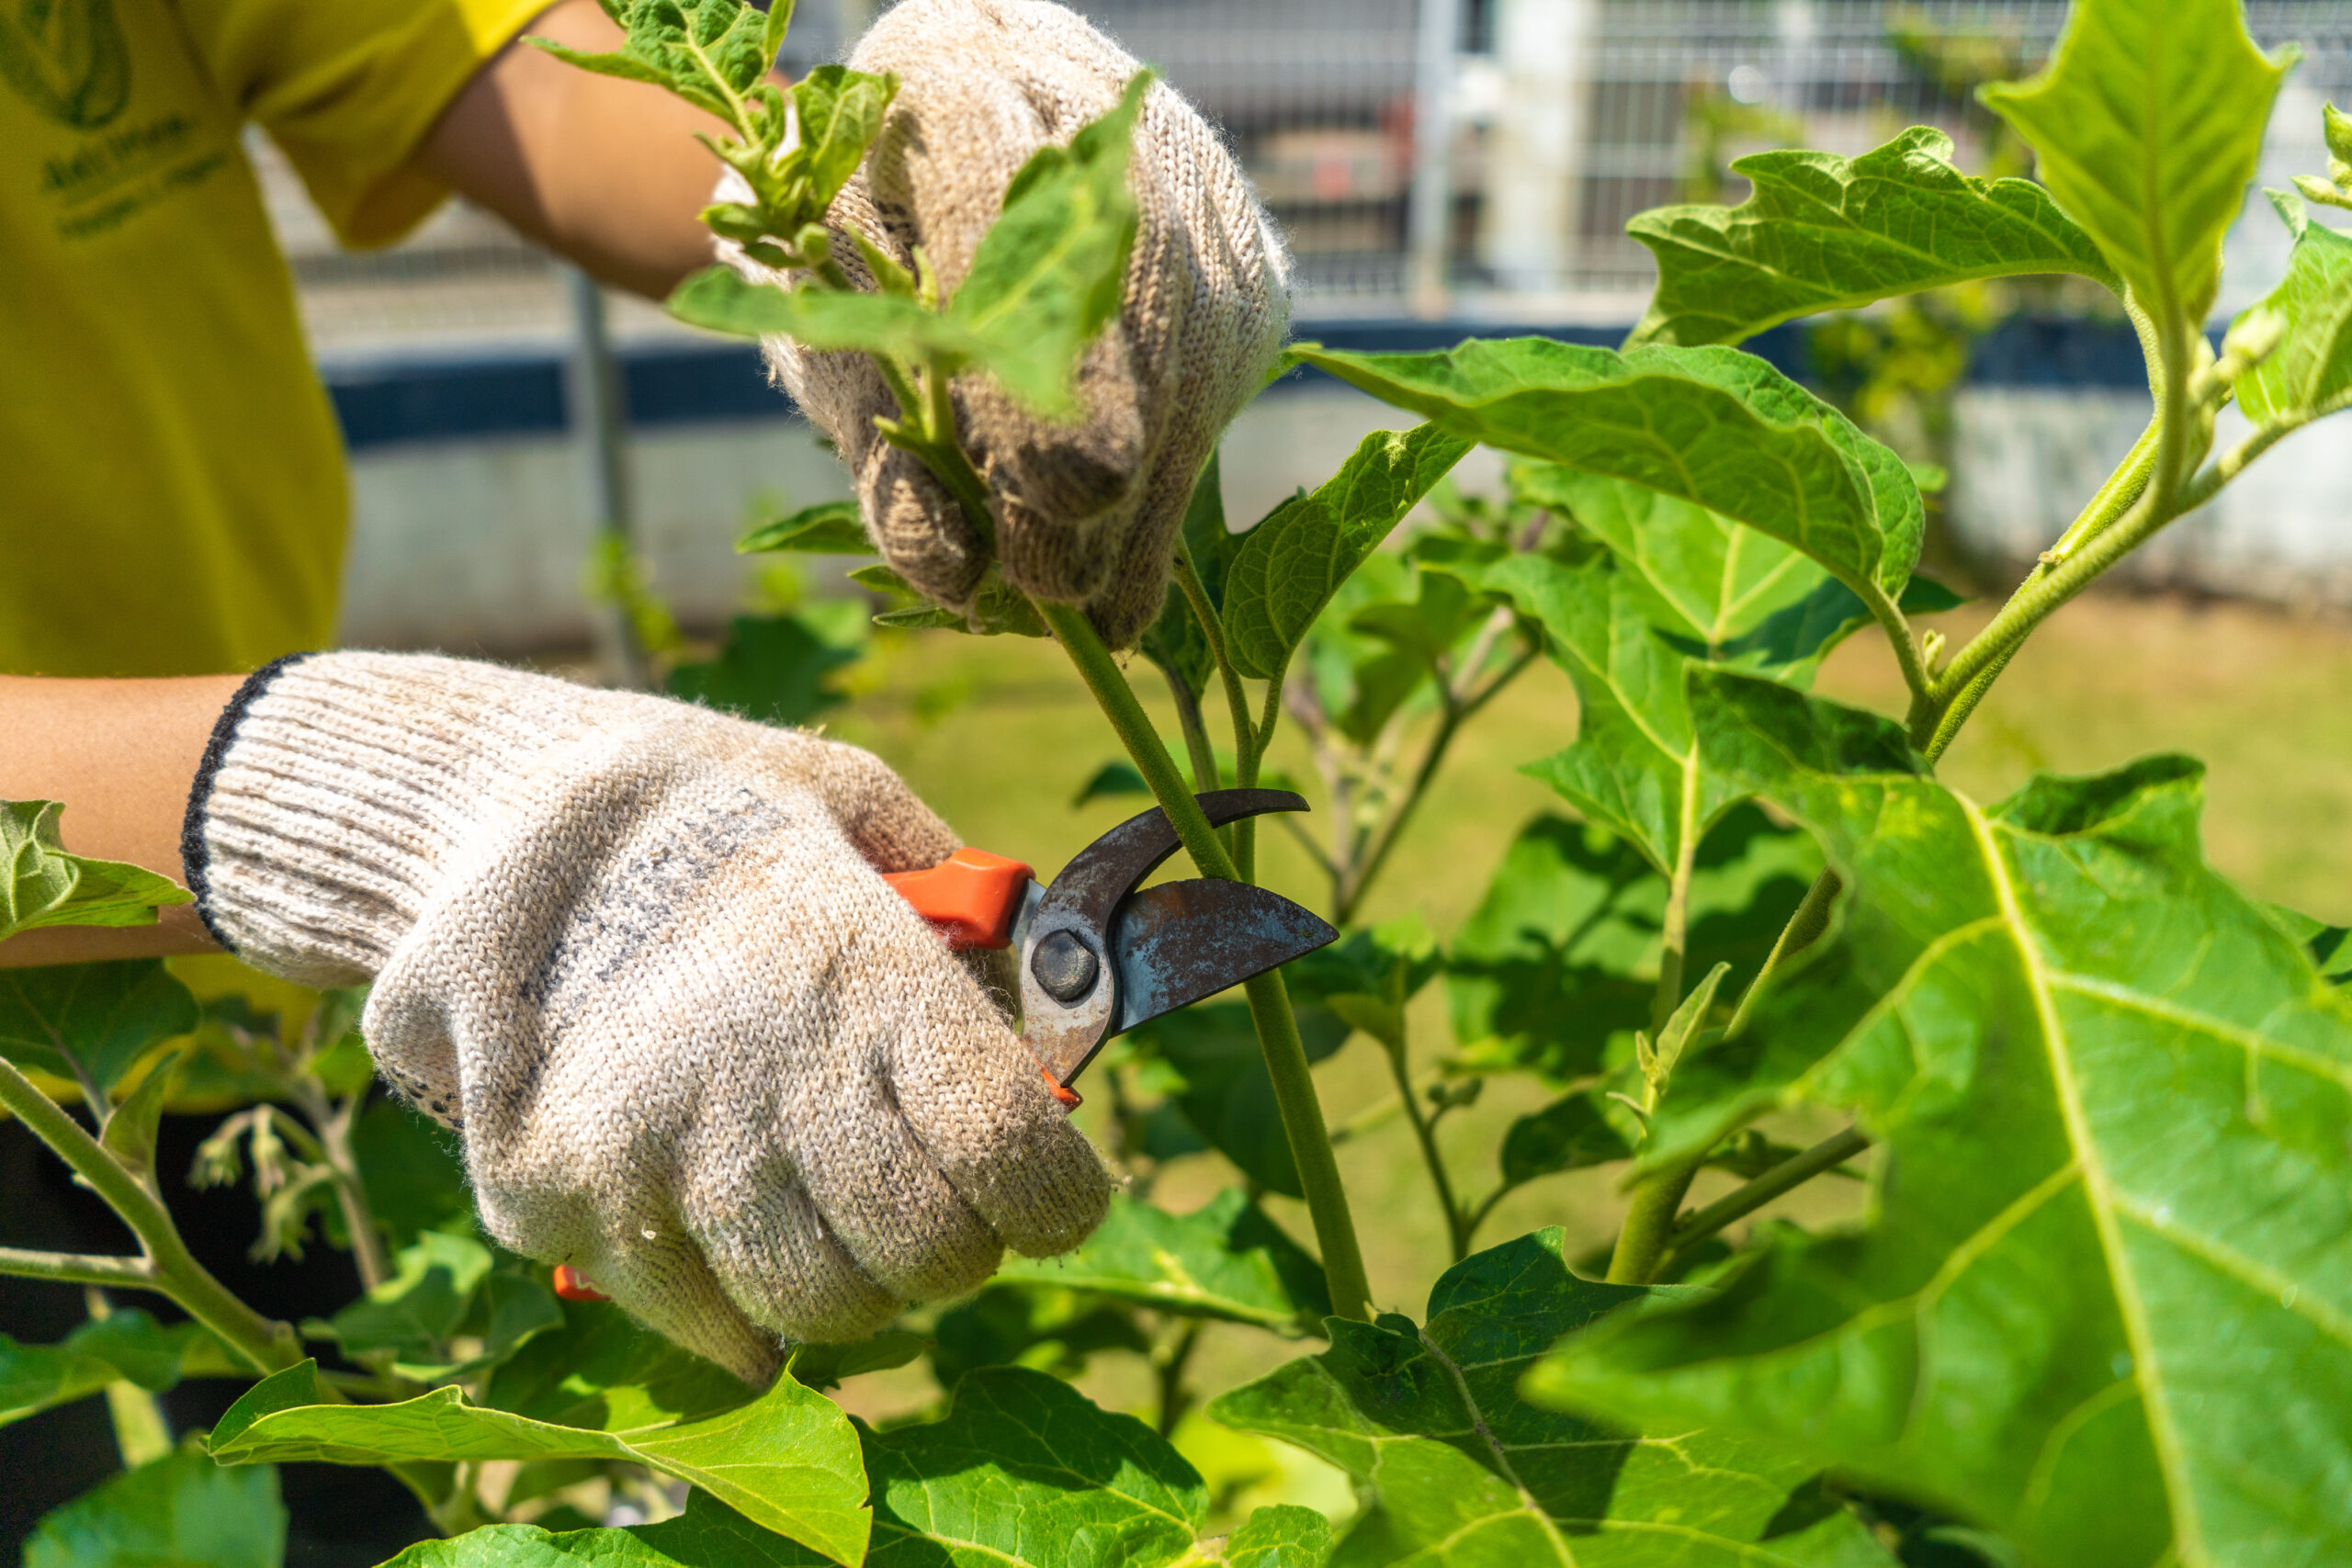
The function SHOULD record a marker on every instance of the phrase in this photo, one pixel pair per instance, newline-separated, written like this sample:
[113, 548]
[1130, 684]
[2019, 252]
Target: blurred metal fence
[1506, 140]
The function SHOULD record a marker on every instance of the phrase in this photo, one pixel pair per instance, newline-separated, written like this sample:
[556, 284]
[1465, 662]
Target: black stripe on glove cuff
[194, 857]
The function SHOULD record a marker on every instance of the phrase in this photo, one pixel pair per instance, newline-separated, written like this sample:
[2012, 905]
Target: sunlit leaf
[1224, 1259]
[1281, 1535]
[1049, 274]
[2308, 375]
[787, 1461]
[2146, 125]
[1290, 564]
[1707, 579]
[1458, 1470]
[602, 1370]
[1024, 1473]
[41, 884]
[1822, 232]
[2100, 1303]
[1713, 426]
[831, 527]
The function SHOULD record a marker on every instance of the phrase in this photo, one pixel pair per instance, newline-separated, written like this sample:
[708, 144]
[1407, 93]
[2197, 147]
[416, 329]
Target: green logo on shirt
[67, 57]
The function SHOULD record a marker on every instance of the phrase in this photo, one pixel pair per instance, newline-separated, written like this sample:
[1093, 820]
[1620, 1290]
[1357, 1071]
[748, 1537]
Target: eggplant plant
[2097, 1312]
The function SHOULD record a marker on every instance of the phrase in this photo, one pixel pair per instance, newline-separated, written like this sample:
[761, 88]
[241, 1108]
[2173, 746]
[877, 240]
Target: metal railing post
[1430, 212]
[599, 425]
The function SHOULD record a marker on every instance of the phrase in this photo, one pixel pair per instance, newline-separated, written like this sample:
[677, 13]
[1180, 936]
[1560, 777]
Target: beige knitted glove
[641, 955]
[1085, 513]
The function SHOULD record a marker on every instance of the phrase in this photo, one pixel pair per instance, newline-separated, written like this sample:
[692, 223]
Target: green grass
[2253, 693]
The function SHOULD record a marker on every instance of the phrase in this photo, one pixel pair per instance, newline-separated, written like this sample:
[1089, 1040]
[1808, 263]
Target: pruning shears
[1097, 954]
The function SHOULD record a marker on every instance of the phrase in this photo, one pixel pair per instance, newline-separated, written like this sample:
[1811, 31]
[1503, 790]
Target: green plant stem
[333, 1129]
[1175, 1398]
[1641, 1243]
[1269, 1009]
[78, 1268]
[1648, 1230]
[1786, 1177]
[1804, 926]
[270, 1347]
[1425, 1133]
[1237, 698]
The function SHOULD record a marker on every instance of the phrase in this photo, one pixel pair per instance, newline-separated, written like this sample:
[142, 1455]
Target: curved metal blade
[1187, 945]
[1177, 943]
[1107, 870]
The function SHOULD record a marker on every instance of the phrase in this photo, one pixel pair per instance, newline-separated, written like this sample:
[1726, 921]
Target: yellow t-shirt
[173, 497]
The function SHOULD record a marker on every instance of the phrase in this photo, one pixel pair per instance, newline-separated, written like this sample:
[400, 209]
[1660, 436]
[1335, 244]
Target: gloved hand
[1085, 513]
[642, 957]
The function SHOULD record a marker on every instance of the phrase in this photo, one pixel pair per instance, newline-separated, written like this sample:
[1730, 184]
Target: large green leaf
[1049, 274]
[709, 52]
[2104, 1304]
[41, 884]
[1707, 579]
[1561, 952]
[602, 1370]
[129, 1345]
[1023, 1471]
[787, 1461]
[707, 1535]
[2309, 374]
[1290, 564]
[2146, 125]
[840, 112]
[1634, 766]
[1822, 232]
[91, 1020]
[181, 1510]
[1713, 426]
[1224, 1259]
[1458, 1470]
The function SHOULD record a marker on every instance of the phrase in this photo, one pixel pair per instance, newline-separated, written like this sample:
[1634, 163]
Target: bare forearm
[120, 754]
[604, 171]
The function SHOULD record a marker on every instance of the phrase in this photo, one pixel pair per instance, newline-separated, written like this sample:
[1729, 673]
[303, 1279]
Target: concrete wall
[480, 544]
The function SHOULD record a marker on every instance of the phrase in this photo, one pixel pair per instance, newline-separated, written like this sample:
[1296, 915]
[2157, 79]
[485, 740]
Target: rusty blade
[1179, 942]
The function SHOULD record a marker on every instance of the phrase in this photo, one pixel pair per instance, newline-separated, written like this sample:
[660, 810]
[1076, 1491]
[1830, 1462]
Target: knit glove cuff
[339, 788]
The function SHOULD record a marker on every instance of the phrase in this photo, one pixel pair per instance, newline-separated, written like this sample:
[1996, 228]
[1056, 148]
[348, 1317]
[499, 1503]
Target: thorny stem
[1786, 1177]
[1269, 1009]
[168, 1266]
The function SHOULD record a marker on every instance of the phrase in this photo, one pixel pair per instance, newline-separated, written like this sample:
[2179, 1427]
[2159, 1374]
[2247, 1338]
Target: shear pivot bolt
[1064, 966]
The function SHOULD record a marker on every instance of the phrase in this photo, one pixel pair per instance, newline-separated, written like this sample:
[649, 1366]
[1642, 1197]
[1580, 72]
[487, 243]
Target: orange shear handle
[972, 896]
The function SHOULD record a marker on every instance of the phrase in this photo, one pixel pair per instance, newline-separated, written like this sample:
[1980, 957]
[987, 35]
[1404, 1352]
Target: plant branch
[1270, 1007]
[1790, 1174]
[271, 1346]
[1425, 1133]
[78, 1269]
[1649, 1227]
[1805, 924]
[333, 1127]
